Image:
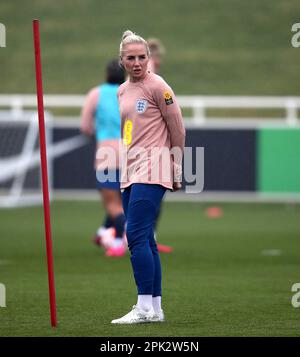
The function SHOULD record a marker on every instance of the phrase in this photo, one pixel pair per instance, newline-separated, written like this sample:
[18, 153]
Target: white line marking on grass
[271, 252]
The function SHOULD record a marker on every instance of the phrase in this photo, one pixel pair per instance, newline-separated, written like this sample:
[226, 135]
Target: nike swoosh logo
[19, 164]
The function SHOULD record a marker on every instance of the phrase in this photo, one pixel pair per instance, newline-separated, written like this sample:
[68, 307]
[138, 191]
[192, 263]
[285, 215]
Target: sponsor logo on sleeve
[168, 98]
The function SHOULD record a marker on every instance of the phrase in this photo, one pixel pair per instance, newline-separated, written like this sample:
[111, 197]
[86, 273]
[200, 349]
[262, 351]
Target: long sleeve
[171, 113]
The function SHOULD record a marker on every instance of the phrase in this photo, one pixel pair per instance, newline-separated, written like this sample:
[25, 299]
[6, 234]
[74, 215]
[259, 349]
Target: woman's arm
[88, 111]
[172, 115]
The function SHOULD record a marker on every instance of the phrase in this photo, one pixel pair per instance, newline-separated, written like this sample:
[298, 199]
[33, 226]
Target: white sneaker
[158, 317]
[107, 237]
[135, 316]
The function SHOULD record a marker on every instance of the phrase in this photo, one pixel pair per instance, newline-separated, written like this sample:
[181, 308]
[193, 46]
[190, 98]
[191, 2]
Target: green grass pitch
[217, 282]
[217, 47]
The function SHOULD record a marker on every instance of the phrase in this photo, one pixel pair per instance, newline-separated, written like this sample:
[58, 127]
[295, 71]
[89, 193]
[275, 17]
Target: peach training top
[151, 126]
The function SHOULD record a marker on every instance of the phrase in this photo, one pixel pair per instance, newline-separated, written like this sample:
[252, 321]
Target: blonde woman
[150, 119]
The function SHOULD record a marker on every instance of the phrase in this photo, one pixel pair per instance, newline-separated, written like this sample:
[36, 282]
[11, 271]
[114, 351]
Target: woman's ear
[120, 62]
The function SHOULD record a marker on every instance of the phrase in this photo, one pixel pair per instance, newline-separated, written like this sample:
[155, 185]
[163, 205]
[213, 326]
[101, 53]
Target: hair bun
[126, 34]
[130, 37]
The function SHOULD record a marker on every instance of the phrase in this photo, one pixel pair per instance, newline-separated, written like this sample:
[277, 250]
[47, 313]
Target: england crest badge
[141, 106]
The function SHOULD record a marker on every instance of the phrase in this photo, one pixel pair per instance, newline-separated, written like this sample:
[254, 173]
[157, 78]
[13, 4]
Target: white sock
[101, 230]
[117, 242]
[144, 302]
[156, 303]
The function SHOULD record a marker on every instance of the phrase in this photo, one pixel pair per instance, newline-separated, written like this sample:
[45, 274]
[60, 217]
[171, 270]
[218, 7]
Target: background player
[157, 54]
[101, 117]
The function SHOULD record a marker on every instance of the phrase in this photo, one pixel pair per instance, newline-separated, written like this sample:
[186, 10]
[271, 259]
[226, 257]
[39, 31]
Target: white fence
[198, 105]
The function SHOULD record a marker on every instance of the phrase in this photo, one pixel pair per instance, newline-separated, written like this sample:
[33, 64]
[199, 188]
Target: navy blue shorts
[109, 179]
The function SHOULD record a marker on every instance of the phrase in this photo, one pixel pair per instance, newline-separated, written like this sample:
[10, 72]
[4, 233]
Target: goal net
[20, 169]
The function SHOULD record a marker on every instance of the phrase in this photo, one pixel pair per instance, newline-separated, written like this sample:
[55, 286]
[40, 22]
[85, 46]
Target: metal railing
[197, 104]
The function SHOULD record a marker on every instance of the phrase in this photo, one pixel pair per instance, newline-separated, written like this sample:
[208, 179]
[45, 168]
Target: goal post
[20, 168]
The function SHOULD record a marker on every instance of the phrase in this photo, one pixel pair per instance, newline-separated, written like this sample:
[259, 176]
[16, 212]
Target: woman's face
[135, 60]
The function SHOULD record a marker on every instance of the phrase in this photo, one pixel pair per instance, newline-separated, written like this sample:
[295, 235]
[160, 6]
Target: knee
[153, 247]
[131, 235]
[136, 237]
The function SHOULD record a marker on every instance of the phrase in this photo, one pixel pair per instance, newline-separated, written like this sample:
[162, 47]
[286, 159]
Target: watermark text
[295, 41]
[2, 35]
[296, 297]
[2, 295]
[155, 165]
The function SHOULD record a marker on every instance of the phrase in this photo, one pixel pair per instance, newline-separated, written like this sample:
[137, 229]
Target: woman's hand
[176, 186]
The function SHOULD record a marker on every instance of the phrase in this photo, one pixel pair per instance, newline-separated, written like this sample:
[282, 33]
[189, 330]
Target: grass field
[216, 282]
[217, 47]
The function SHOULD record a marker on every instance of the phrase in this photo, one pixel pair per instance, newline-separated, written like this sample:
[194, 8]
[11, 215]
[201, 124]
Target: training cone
[214, 212]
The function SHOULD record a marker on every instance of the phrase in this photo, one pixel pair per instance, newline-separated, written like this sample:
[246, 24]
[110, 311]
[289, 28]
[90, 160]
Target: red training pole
[39, 92]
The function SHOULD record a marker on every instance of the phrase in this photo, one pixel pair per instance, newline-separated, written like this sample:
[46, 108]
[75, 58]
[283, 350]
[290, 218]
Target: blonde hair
[131, 37]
